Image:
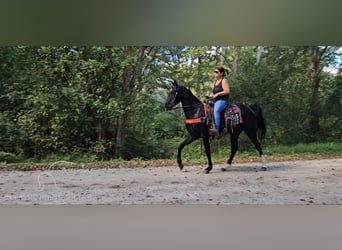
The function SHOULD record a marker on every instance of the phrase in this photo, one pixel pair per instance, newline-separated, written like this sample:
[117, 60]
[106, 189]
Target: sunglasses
[217, 71]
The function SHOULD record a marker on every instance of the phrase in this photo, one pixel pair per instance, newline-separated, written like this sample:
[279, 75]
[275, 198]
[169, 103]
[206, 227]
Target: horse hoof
[206, 171]
[181, 166]
[224, 169]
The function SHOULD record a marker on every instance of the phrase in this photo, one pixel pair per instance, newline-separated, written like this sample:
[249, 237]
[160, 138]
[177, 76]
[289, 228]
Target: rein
[187, 106]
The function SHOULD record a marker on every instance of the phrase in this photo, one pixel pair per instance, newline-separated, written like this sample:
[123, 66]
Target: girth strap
[195, 120]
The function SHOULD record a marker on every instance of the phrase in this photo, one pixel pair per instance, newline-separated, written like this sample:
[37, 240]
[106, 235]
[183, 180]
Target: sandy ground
[288, 182]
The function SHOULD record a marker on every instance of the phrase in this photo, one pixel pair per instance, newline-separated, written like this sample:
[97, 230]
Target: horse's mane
[188, 94]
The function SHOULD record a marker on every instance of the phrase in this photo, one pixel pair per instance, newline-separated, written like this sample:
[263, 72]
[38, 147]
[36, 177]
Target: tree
[316, 67]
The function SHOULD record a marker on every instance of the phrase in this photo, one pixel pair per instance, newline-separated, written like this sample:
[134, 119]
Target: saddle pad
[233, 115]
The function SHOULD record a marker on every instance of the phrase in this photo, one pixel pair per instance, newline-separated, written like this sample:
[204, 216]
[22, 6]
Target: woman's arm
[226, 89]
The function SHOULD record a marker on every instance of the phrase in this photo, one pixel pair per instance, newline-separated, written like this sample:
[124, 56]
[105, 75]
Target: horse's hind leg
[253, 137]
[233, 147]
[187, 141]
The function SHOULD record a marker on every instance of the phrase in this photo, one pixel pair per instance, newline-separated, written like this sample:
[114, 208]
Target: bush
[8, 157]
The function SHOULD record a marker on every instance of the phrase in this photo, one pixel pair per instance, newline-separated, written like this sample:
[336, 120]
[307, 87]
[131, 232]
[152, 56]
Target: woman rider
[220, 94]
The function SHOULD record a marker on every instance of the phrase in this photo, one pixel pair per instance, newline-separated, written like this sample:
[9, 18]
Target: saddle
[230, 117]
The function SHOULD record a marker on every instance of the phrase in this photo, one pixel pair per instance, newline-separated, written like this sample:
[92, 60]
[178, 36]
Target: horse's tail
[260, 120]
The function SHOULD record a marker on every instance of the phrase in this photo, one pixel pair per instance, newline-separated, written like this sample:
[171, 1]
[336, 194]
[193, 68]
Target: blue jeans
[219, 106]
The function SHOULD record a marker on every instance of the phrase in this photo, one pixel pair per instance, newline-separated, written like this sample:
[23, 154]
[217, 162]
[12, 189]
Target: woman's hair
[223, 70]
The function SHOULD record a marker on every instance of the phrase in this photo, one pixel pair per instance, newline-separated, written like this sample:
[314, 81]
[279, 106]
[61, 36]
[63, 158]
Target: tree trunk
[223, 53]
[199, 78]
[127, 78]
[258, 55]
[237, 50]
[99, 131]
[315, 70]
[120, 139]
[130, 73]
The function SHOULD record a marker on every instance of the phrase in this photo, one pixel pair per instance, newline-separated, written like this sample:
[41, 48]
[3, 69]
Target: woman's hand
[213, 95]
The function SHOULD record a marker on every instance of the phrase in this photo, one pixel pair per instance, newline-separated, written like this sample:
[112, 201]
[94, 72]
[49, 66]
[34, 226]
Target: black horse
[253, 121]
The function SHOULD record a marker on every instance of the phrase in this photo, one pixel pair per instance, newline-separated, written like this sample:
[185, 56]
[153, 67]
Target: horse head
[173, 97]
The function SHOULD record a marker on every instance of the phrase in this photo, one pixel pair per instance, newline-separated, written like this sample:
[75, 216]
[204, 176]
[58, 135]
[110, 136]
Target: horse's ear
[175, 83]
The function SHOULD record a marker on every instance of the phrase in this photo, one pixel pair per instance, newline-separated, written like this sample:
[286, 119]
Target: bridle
[174, 98]
[197, 120]
[186, 106]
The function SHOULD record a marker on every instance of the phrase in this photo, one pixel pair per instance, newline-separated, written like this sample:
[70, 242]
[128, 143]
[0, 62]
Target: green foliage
[107, 102]
[302, 148]
[9, 157]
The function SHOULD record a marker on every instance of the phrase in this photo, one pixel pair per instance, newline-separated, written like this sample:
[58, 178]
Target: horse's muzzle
[168, 107]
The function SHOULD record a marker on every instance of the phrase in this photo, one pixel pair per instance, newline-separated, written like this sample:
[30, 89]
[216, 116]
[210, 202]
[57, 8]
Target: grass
[192, 155]
[300, 151]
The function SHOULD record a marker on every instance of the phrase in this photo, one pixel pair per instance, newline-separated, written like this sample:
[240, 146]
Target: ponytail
[223, 70]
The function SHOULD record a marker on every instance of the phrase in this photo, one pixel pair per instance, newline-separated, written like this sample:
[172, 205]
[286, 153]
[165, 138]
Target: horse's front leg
[187, 141]
[208, 153]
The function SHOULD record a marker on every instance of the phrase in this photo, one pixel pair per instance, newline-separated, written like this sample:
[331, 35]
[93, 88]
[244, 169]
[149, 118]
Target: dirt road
[288, 182]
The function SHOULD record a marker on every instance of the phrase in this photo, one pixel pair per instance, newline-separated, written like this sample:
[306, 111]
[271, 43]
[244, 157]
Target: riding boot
[212, 131]
[216, 135]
